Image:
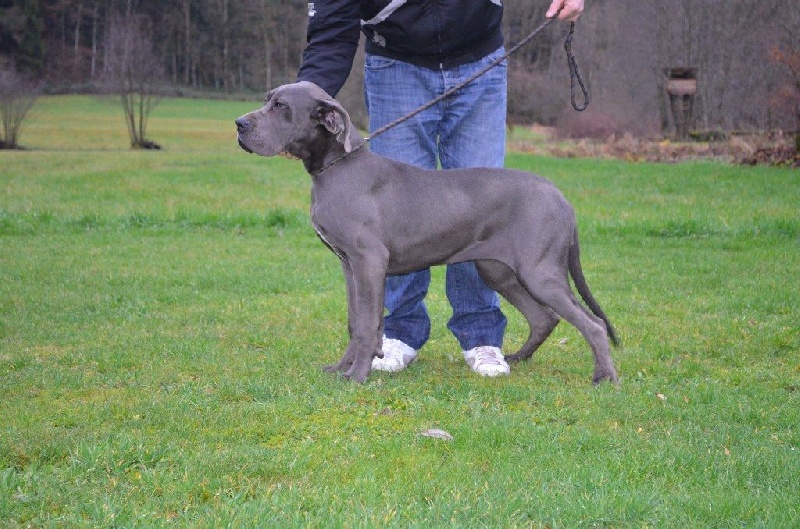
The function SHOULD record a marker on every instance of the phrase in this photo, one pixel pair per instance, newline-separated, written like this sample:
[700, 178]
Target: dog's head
[300, 119]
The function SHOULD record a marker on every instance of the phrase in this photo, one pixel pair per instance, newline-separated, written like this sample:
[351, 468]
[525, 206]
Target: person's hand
[572, 9]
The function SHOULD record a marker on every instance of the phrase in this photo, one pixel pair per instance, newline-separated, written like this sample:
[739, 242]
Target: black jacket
[430, 33]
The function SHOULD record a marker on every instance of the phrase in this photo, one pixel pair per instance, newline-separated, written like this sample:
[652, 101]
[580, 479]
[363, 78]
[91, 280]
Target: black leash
[574, 74]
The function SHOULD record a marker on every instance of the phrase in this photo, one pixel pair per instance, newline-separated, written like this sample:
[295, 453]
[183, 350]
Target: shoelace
[485, 355]
[394, 350]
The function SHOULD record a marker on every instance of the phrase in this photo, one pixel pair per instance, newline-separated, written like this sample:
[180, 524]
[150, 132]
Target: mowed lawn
[164, 317]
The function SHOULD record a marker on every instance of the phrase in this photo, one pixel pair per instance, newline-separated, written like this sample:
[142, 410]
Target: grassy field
[164, 317]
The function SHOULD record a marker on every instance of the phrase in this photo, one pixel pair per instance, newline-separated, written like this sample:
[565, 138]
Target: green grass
[164, 317]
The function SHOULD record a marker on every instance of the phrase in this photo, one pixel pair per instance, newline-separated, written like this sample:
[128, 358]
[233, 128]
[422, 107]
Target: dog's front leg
[349, 354]
[365, 311]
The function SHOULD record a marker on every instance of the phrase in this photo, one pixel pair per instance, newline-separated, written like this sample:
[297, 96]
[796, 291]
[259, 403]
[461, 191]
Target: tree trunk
[93, 68]
[77, 39]
[187, 35]
[265, 29]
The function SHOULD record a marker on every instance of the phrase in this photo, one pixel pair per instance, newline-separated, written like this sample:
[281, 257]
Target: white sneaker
[396, 356]
[487, 361]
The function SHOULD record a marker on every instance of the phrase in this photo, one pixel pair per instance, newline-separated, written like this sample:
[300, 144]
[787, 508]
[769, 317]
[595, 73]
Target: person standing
[415, 51]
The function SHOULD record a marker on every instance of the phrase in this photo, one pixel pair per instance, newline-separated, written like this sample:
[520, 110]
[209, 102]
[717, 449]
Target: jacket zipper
[438, 22]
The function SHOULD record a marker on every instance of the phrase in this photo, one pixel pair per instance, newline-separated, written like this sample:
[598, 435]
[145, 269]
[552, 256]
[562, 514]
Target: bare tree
[135, 74]
[17, 97]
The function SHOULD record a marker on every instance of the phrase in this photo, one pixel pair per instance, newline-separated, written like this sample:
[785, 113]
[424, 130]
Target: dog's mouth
[284, 154]
[244, 147]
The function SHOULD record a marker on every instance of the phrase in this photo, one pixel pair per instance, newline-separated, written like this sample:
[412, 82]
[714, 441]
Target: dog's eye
[279, 104]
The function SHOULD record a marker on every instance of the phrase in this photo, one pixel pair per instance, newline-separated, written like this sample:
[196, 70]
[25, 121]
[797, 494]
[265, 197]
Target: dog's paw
[356, 374]
[360, 370]
[602, 376]
[340, 367]
[518, 357]
[359, 378]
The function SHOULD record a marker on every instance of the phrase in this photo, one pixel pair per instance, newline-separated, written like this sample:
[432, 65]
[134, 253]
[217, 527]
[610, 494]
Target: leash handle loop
[575, 74]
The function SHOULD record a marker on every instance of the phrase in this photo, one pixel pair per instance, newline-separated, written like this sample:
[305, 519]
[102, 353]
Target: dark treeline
[221, 45]
[245, 46]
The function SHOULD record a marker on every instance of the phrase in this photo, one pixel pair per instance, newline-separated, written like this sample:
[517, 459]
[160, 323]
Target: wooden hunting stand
[681, 87]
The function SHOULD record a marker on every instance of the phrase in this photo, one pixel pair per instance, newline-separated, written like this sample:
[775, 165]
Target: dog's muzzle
[245, 147]
[242, 127]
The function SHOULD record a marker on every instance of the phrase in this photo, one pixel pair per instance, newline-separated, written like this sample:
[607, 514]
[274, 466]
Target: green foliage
[164, 317]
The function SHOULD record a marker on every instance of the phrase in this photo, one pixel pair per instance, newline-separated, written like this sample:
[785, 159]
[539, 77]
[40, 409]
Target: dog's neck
[332, 153]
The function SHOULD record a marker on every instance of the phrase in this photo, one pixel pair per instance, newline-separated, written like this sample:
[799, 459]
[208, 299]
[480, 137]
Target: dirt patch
[774, 149]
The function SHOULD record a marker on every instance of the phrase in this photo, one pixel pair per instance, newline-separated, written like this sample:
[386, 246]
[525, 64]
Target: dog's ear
[330, 114]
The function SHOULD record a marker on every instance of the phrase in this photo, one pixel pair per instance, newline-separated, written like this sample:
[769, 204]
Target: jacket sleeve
[332, 40]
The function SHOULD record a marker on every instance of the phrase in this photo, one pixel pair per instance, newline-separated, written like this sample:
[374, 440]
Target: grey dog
[383, 217]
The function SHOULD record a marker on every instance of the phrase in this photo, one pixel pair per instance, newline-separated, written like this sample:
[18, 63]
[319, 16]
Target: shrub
[17, 96]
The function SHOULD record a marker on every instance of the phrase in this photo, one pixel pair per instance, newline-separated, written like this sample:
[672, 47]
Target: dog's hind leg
[554, 291]
[541, 320]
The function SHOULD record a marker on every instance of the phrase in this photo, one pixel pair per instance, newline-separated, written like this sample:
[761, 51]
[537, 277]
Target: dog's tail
[575, 270]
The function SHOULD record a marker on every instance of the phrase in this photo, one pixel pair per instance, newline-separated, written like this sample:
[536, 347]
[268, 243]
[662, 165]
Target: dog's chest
[322, 233]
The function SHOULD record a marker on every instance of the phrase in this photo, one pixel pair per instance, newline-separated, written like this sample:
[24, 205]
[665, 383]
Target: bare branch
[17, 97]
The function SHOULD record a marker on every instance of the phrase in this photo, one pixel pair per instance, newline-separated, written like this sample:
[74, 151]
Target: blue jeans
[465, 130]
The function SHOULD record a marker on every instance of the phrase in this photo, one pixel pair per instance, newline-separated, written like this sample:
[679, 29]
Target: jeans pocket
[376, 62]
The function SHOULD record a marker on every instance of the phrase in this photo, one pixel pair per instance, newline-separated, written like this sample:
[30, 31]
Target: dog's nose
[242, 125]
